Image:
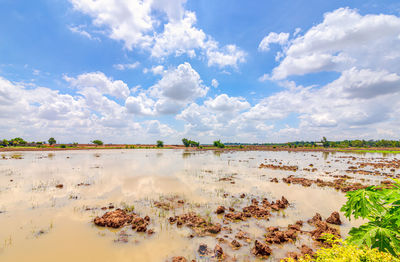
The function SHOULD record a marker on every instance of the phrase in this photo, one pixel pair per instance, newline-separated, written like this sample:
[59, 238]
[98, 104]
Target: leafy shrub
[381, 206]
[342, 251]
[219, 144]
[187, 143]
[52, 141]
[97, 142]
[160, 143]
[63, 146]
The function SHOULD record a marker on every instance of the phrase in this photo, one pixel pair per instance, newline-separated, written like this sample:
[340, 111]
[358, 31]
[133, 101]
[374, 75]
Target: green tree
[52, 141]
[218, 144]
[190, 143]
[4, 142]
[186, 142]
[325, 142]
[160, 143]
[97, 142]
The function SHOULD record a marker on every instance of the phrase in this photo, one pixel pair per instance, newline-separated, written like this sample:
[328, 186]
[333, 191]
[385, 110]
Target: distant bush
[219, 144]
[63, 146]
[52, 141]
[97, 142]
[160, 143]
[190, 143]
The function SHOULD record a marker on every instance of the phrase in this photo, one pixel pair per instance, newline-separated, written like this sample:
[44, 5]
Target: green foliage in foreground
[342, 251]
[219, 144]
[381, 207]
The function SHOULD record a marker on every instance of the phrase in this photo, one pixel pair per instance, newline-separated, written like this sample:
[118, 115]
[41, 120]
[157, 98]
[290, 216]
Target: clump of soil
[339, 184]
[283, 167]
[257, 211]
[304, 250]
[322, 228]
[220, 210]
[334, 218]
[180, 259]
[198, 224]
[140, 224]
[219, 252]
[260, 249]
[275, 236]
[243, 236]
[235, 244]
[59, 186]
[114, 219]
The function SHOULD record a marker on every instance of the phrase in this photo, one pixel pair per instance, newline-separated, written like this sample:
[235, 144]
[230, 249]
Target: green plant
[218, 144]
[160, 143]
[63, 146]
[187, 143]
[381, 206]
[52, 141]
[97, 142]
[342, 251]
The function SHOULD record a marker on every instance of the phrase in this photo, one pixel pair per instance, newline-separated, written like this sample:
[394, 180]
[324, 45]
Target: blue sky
[241, 71]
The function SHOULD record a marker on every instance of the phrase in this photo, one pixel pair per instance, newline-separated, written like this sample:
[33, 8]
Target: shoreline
[208, 148]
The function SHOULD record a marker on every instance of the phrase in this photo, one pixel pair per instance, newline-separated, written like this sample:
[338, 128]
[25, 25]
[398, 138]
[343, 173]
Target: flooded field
[50, 200]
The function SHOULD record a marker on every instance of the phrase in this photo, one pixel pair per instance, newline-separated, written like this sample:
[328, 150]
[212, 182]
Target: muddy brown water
[39, 222]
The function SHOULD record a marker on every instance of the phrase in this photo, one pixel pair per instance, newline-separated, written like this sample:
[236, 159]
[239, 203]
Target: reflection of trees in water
[187, 154]
[159, 154]
[217, 153]
[325, 155]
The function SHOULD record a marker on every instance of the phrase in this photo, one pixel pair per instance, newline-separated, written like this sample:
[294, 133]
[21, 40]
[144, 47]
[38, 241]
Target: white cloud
[100, 82]
[122, 67]
[140, 105]
[36, 113]
[79, 30]
[224, 103]
[180, 84]
[176, 89]
[273, 38]
[343, 40]
[159, 26]
[214, 83]
[230, 55]
[179, 37]
[156, 70]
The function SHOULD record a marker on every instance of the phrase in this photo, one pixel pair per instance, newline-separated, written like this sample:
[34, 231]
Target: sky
[137, 71]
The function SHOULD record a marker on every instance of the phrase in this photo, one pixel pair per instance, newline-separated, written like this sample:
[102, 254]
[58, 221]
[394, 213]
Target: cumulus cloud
[230, 55]
[177, 88]
[344, 39]
[138, 24]
[98, 81]
[273, 38]
[224, 103]
[36, 113]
